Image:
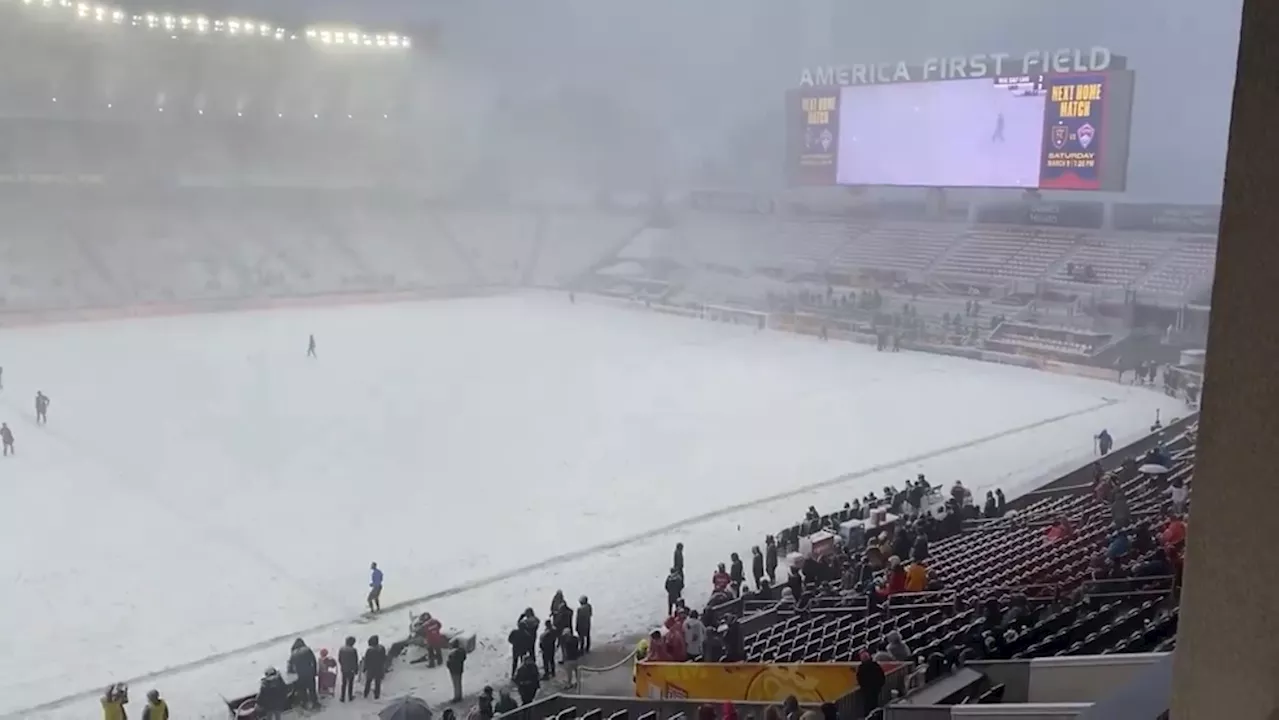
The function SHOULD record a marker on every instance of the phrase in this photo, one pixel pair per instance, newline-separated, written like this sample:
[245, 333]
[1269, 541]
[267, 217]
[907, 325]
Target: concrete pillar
[1225, 665]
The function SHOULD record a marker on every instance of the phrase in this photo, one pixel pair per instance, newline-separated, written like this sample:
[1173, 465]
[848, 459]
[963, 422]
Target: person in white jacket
[1178, 494]
[695, 634]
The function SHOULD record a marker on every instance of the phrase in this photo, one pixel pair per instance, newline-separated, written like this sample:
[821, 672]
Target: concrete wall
[1035, 711]
[1081, 679]
[1085, 679]
[1038, 711]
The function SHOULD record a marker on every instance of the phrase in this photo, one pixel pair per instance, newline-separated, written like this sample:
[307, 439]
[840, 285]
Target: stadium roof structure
[197, 24]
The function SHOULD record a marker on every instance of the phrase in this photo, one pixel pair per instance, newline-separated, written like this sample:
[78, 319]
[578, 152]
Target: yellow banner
[809, 682]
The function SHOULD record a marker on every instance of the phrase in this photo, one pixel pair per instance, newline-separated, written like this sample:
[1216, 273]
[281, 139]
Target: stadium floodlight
[64, 3]
[170, 22]
[393, 39]
[280, 34]
[404, 42]
[117, 16]
[109, 106]
[264, 29]
[82, 10]
[239, 113]
[316, 115]
[185, 22]
[366, 40]
[326, 37]
[380, 40]
[348, 116]
[26, 2]
[249, 27]
[353, 37]
[233, 26]
[311, 33]
[202, 24]
[53, 99]
[200, 111]
[99, 13]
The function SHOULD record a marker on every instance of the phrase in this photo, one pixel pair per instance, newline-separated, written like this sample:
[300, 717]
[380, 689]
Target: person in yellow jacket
[156, 708]
[113, 702]
[917, 577]
[642, 649]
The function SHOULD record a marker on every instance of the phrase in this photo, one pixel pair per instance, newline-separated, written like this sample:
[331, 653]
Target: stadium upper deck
[92, 89]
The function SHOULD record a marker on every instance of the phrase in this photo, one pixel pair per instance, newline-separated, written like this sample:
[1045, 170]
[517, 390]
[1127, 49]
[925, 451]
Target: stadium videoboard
[1063, 132]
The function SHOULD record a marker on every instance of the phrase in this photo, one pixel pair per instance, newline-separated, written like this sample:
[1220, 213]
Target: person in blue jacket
[375, 588]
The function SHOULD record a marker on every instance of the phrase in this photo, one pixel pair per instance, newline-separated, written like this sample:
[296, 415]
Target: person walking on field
[456, 662]
[6, 438]
[156, 708]
[582, 623]
[375, 588]
[42, 408]
[375, 667]
[527, 680]
[348, 666]
[311, 346]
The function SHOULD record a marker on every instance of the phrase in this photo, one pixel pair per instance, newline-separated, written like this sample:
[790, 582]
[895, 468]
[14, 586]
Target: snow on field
[203, 490]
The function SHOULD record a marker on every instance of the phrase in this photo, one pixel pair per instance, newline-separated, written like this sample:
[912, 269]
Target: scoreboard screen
[1032, 132]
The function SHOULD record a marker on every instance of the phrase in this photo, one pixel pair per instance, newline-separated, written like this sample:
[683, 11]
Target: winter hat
[324, 652]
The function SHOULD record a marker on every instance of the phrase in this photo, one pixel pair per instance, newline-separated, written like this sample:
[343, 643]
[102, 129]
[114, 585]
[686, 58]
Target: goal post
[736, 316]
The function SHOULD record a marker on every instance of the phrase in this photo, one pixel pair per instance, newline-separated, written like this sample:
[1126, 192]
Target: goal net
[736, 316]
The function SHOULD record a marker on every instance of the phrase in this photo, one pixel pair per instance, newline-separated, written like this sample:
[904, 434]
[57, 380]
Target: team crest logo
[825, 139]
[1058, 136]
[1085, 135]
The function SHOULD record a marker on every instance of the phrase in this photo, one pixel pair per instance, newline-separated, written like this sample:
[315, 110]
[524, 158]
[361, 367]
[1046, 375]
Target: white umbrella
[1153, 469]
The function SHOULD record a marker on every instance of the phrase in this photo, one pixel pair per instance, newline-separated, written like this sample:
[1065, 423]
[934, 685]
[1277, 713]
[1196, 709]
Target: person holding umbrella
[406, 708]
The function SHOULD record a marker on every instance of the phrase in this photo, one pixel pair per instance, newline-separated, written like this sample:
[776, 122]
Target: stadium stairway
[527, 278]
[442, 229]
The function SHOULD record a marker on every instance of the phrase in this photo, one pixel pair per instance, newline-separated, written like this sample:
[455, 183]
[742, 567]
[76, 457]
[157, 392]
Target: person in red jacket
[1059, 530]
[657, 648]
[1174, 533]
[720, 580]
[432, 634]
[677, 651]
[895, 578]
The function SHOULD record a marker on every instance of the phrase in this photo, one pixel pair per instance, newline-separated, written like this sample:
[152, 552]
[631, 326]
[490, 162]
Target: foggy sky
[687, 81]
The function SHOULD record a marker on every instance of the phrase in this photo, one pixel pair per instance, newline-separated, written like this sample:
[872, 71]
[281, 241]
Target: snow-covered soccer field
[202, 487]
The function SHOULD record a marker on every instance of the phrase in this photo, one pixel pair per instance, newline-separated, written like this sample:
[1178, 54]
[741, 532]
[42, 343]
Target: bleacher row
[1003, 590]
[102, 253]
[1166, 264]
[1001, 558]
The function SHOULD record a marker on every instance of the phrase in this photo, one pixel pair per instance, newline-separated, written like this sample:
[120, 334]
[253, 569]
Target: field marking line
[564, 557]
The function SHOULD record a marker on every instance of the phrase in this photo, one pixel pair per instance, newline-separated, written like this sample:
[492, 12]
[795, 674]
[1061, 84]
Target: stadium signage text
[996, 64]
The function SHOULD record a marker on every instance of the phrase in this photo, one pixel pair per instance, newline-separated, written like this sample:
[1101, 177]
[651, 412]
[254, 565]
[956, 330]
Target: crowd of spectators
[1140, 553]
